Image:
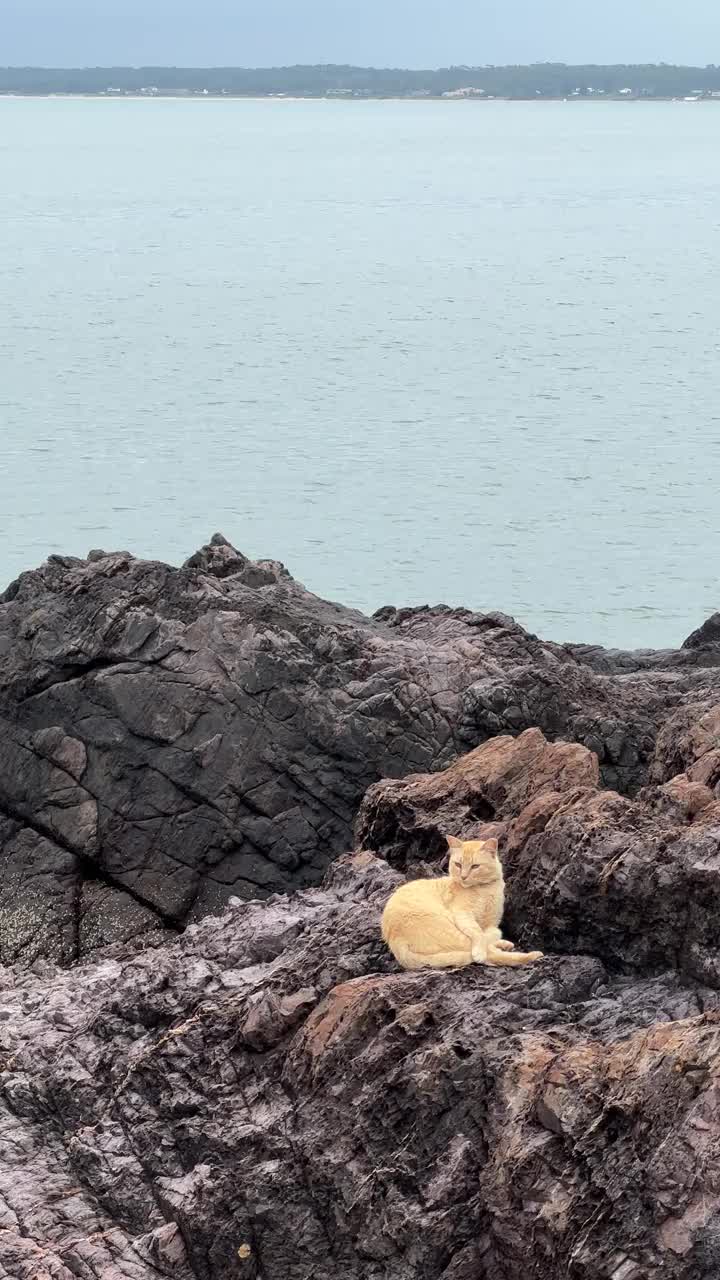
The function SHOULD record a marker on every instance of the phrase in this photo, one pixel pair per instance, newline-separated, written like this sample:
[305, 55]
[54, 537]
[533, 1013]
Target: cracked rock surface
[204, 1089]
[170, 738]
[268, 1097]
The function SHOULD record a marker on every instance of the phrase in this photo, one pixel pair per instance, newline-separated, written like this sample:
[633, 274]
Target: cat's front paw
[479, 955]
[504, 944]
[535, 955]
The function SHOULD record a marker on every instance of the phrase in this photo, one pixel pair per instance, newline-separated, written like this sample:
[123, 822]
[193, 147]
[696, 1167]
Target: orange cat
[453, 921]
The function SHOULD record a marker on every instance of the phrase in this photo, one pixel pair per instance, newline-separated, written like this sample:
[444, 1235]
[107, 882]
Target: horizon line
[353, 66]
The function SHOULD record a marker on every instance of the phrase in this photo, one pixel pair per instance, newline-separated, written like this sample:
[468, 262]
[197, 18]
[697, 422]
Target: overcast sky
[410, 33]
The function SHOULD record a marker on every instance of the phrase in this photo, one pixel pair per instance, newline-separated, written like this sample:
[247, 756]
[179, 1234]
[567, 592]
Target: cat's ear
[453, 843]
[491, 845]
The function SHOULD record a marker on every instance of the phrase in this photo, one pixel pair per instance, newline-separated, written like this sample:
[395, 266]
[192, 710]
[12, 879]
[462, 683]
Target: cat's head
[474, 862]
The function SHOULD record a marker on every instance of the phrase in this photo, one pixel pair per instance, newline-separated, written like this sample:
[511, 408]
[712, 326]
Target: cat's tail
[513, 958]
[405, 956]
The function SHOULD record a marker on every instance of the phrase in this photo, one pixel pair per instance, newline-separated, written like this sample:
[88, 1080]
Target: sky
[407, 33]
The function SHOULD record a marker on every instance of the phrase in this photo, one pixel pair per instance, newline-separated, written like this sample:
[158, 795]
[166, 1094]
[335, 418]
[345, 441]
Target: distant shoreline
[542, 82]
[419, 100]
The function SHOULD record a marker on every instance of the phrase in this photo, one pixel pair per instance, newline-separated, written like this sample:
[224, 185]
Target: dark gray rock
[707, 636]
[180, 736]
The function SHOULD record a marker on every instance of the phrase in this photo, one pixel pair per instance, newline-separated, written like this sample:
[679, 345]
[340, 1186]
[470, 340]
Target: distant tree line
[541, 80]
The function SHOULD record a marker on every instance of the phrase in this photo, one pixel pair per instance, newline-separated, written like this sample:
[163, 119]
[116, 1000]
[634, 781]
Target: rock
[108, 916]
[635, 882]
[259, 1092]
[183, 736]
[630, 881]
[407, 820]
[267, 1096]
[706, 636]
[689, 741]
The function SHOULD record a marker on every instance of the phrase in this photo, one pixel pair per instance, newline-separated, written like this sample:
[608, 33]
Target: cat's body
[455, 920]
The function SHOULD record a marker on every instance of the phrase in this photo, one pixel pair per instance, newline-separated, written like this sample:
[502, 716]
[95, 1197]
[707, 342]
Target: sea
[422, 352]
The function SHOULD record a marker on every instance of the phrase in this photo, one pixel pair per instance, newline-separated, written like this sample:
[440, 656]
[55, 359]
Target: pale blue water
[421, 352]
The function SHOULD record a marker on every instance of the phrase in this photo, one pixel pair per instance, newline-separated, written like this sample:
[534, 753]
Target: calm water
[421, 352]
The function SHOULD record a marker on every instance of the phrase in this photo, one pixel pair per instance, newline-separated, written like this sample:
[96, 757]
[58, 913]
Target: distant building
[464, 93]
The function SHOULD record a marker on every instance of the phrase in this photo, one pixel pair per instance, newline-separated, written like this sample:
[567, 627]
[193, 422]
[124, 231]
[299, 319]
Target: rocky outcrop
[634, 882]
[706, 636]
[407, 820]
[172, 737]
[268, 1097]
[261, 1093]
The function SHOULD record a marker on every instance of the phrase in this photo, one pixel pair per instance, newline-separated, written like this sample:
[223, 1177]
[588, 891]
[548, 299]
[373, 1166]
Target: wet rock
[706, 636]
[635, 882]
[268, 1096]
[183, 736]
[689, 742]
[407, 820]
